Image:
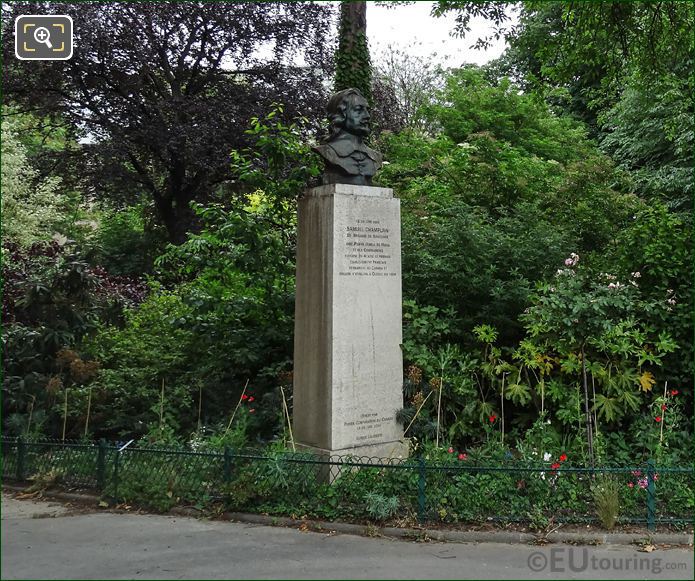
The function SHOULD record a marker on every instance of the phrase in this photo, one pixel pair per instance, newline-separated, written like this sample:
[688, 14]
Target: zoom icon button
[43, 38]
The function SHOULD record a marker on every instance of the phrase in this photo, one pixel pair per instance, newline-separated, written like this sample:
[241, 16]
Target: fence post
[651, 496]
[227, 470]
[21, 458]
[101, 465]
[421, 490]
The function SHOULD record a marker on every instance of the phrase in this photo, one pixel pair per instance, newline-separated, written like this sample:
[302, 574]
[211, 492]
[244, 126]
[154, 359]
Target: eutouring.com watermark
[578, 560]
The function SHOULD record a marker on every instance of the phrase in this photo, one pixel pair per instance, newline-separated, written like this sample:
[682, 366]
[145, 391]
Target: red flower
[492, 418]
[450, 450]
[663, 406]
[244, 396]
[657, 419]
[563, 457]
[555, 466]
[251, 399]
[462, 456]
[674, 392]
[252, 410]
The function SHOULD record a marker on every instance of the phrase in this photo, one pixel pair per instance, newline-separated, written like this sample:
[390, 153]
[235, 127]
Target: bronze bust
[348, 160]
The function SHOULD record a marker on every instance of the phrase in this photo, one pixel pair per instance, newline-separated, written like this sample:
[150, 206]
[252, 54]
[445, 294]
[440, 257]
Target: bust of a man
[348, 160]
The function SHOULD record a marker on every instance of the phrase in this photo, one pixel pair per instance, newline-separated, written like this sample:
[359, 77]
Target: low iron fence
[300, 484]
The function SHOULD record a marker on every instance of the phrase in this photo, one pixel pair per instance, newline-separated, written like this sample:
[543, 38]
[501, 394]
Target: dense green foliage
[223, 317]
[496, 201]
[31, 206]
[547, 255]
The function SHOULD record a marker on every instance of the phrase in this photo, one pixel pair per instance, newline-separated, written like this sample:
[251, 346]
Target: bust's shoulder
[326, 151]
[375, 155]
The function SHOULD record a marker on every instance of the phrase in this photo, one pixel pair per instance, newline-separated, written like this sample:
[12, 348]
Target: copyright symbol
[537, 561]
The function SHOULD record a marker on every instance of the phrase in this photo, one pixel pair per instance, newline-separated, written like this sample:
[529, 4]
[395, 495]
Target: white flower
[547, 456]
[636, 274]
[572, 260]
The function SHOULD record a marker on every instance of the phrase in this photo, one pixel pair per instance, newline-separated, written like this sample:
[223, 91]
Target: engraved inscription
[366, 425]
[368, 249]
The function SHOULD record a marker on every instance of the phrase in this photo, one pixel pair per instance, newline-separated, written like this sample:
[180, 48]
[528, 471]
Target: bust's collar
[345, 144]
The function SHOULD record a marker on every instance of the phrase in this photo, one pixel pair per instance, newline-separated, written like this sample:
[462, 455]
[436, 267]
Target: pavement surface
[49, 540]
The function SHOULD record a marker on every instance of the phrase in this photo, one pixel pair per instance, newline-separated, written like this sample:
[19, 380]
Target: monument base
[368, 454]
[348, 364]
[380, 453]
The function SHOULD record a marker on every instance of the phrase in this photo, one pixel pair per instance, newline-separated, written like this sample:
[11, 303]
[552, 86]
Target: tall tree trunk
[353, 65]
[177, 217]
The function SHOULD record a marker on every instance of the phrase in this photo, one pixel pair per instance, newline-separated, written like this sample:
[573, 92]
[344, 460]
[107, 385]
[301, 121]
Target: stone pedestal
[348, 367]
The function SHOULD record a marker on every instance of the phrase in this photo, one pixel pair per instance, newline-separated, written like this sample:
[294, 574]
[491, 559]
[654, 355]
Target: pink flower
[674, 392]
[251, 398]
[642, 482]
[450, 450]
[663, 406]
[631, 484]
[252, 411]
[572, 260]
[462, 456]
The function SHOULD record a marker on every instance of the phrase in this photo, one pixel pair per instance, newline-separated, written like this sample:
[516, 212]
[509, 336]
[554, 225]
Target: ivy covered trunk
[353, 65]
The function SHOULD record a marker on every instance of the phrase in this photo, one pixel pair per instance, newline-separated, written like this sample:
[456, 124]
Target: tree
[649, 133]
[30, 205]
[492, 205]
[585, 48]
[412, 81]
[162, 92]
[623, 68]
[353, 65]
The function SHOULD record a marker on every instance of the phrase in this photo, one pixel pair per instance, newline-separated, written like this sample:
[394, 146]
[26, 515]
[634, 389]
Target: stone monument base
[370, 454]
[348, 364]
[382, 451]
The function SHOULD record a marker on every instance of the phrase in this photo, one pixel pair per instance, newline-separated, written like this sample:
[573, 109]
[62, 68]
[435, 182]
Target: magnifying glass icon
[42, 35]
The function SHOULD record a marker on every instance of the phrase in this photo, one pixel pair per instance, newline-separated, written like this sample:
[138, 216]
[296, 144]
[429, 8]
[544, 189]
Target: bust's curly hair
[337, 108]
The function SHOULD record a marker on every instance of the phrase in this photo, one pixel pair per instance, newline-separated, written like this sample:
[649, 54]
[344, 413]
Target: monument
[348, 376]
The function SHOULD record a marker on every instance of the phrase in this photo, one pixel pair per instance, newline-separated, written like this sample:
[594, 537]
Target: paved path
[42, 540]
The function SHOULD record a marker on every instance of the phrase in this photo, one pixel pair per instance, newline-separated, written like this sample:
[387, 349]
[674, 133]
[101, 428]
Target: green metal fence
[407, 490]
